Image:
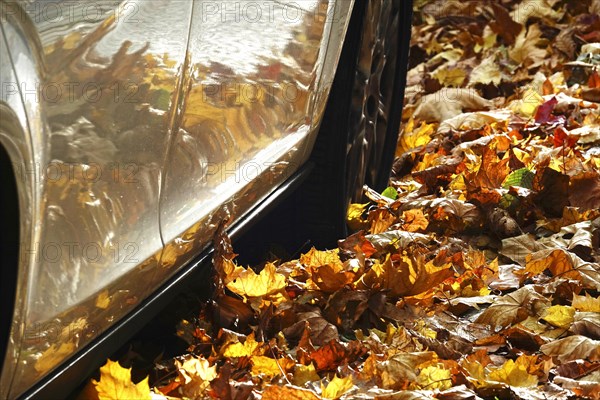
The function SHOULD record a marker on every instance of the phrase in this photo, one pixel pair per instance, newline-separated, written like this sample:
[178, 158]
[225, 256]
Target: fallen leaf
[115, 384]
[573, 348]
[336, 387]
[270, 367]
[513, 307]
[559, 316]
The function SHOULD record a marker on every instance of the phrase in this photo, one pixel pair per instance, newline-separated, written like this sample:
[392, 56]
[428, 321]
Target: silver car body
[134, 128]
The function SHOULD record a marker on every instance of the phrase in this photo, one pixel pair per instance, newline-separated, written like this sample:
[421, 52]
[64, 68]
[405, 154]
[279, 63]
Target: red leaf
[544, 111]
[562, 138]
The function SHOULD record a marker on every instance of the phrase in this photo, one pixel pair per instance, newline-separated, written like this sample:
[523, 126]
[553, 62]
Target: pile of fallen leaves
[474, 275]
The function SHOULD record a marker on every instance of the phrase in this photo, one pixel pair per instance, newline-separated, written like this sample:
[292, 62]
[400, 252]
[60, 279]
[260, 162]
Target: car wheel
[359, 131]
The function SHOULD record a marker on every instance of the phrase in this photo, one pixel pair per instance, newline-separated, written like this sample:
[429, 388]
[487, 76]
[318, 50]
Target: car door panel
[248, 121]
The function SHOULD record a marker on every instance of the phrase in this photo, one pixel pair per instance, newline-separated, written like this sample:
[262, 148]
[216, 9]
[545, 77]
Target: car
[130, 130]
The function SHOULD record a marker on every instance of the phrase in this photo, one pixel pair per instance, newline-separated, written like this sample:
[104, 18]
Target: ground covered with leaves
[475, 275]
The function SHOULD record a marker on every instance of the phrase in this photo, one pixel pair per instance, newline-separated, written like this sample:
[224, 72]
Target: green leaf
[522, 177]
[390, 193]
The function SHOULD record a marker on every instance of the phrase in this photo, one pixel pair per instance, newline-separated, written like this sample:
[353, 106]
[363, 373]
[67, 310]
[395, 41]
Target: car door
[259, 74]
[101, 107]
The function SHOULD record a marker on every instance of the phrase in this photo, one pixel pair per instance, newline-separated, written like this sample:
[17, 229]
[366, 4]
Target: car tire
[359, 131]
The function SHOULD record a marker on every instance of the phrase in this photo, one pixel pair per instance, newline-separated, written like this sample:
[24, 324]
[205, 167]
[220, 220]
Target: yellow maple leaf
[115, 384]
[435, 377]
[514, 373]
[250, 284]
[305, 373]
[270, 367]
[248, 348]
[289, 392]
[354, 216]
[337, 387]
[413, 137]
[318, 258]
[586, 303]
[409, 277]
[560, 316]
[195, 375]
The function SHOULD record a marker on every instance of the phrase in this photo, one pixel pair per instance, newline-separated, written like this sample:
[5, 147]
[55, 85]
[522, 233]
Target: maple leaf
[559, 316]
[544, 112]
[435, 377]
[513, 307]
[562, 137]
[274, 392]
[406, 277]
[270, 367]
[573, 348]
[249, 348]
[250, 284]
[115, 384]
[401, 368]
[195, 375]
[586, 303]
[304, 373]
[414, 220]
[515, 373]
[336, 387]
[525, 51]
[354, 216]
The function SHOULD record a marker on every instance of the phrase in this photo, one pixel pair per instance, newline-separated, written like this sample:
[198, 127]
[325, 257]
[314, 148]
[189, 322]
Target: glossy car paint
[135, 128]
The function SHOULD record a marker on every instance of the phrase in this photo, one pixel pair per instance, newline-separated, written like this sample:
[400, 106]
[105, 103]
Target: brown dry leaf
[573, 348]
[492, 172]
[487, 72]
[115, 384]
[401, 368]
[414, 220]
[513, 307]
[584, 191]
[504, 25]
[449, 102]
[526, 9]
[586, 303]
[525, 51]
